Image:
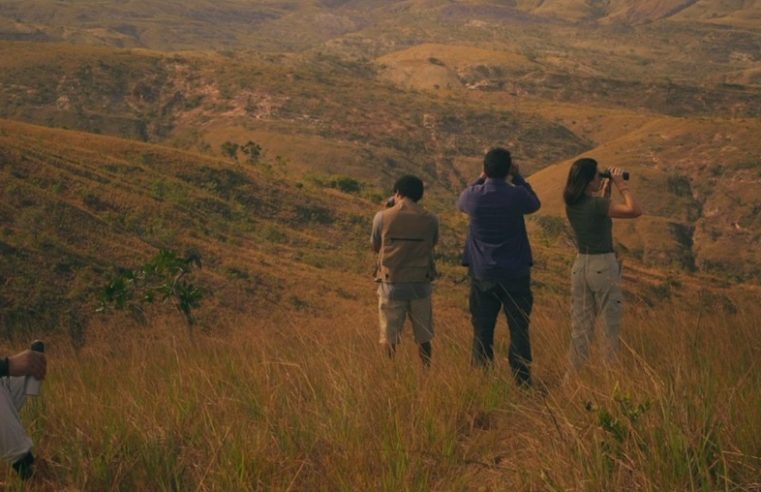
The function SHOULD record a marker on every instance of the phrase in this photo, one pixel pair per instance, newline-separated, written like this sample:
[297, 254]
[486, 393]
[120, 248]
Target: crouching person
[15, 444]
[404, 236]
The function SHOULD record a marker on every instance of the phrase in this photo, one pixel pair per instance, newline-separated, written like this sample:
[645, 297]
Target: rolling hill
[352, 94]
[262, 136]
[641, 12]
[190, 100]
[685, 189]
[77, 207]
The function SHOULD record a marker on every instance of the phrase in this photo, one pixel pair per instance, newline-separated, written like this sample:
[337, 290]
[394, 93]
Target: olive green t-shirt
[591, 225]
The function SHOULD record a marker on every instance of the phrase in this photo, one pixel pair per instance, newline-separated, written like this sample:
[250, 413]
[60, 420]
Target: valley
[263, 136]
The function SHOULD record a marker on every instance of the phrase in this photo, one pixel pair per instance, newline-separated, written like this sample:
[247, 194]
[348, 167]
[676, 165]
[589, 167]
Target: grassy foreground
[307, 402]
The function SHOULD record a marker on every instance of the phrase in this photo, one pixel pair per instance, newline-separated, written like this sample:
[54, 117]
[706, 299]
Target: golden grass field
[306, 401]
[282, 385]
[114, 125]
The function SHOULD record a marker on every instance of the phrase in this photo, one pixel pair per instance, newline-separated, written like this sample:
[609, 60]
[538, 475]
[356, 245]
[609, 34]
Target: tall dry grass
[307, 401]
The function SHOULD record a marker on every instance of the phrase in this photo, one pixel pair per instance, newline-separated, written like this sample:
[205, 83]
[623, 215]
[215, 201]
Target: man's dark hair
[409, 186]
[497, 163]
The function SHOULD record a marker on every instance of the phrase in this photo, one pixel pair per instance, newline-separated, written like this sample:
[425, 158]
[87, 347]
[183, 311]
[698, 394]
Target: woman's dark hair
[409, 186]
[582, 173]
[497, 163]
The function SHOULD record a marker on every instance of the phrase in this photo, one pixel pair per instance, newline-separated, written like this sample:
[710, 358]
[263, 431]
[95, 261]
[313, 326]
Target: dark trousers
[486, 300]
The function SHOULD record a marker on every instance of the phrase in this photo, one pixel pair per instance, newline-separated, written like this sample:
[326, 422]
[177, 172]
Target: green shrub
[162, 278]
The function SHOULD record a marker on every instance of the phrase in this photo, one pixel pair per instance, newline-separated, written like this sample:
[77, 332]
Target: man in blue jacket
[498, 255]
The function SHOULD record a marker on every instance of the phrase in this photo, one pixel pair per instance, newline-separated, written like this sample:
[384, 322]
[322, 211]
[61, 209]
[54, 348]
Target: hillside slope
[641, 12]
[587, 75]
[372, 28]
[75, 207]
[205, 102]
[699, 183]
[199, 101]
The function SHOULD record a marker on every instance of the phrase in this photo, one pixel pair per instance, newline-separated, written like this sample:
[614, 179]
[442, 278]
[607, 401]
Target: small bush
[162, 278]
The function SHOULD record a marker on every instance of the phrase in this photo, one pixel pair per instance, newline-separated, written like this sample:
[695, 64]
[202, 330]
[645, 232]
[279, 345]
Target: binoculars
[606, 174]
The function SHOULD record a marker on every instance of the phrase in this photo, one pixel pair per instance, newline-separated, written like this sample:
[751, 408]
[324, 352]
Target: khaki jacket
[408, 236]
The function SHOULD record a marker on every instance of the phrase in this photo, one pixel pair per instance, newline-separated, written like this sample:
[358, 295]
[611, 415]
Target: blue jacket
[497, 247]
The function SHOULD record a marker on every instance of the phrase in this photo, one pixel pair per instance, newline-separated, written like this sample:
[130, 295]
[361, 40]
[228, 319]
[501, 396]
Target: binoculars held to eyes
[606, 174]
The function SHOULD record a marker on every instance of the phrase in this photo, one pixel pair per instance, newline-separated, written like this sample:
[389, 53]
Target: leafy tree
[253, 150]
[230, 149]
[164, 277]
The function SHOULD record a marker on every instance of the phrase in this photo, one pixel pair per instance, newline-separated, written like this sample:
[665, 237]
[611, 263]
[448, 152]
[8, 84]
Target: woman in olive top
[596, 271]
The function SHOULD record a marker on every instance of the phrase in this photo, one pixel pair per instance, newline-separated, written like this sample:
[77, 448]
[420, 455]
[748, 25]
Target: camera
[606, 174]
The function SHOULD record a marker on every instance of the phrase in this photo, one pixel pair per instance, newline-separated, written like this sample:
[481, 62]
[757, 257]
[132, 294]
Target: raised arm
[26, 363]
[629, 209]
[532, 203]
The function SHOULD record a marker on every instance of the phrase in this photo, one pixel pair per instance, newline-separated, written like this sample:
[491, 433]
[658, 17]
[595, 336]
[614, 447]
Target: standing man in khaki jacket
[404, 236]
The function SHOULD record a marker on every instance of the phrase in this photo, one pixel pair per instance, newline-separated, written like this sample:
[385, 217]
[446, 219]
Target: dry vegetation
[306, 402]
[77, 206]
[698, 182]
[281, 385]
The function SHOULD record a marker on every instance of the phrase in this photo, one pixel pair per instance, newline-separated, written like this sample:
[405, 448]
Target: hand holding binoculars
[607, 174]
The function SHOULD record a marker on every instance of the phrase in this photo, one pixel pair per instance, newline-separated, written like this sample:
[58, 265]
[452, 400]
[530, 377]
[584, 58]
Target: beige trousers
[14, 443]
[595, 292]
[392, 315]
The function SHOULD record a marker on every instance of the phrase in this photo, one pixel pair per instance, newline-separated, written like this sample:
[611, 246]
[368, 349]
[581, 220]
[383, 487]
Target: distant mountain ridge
[612, 39]
[236, 23]
[645, 11]
[631, 12]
